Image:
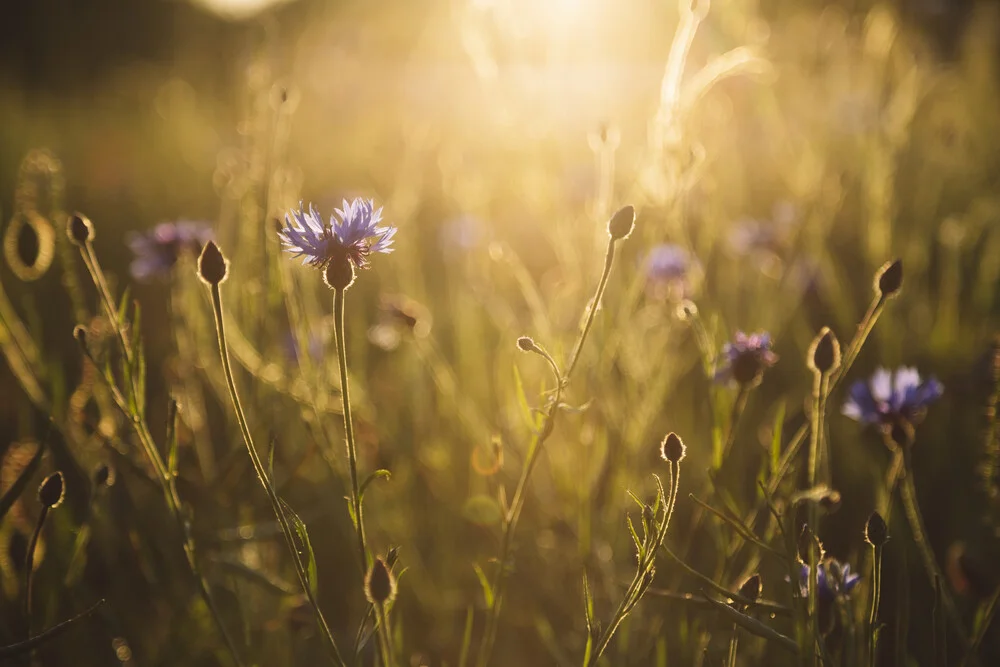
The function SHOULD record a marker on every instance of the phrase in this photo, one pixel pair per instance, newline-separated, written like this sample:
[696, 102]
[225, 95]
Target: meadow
[495, 332]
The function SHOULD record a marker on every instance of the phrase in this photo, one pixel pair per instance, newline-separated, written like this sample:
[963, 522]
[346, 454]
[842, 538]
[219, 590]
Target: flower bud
[876, 532]
[622, 223]
[79, 229]
[526, 344]
[889, 278]
[751, 588]
[672, 448]
[824, 353]
[339, 273]
[213, 267]
[380, 585]
[51, 491]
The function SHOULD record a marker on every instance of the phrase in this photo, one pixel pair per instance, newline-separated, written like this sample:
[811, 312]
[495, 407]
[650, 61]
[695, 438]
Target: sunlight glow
[237, 10]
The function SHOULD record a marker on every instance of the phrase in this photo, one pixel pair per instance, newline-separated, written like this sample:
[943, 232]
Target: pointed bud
[876, 532]
[622, 223]
[672, 448]
[339, 273]
[526, 344]
[51, 491]
[213, 267]
[79, 229]
[380, 585]
[824, 353]
[889, 278]
[751, 588]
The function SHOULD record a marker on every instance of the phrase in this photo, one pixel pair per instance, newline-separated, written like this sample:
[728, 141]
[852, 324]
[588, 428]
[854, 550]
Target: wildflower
[352, 238]
[670, 270]
[746, 358]
[157, 251]
[889, 397]
[835, 579]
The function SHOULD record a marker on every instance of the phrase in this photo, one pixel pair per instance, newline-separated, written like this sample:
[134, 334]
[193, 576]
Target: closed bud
[213, 267]
[876, 532]
[79, 229]
[526, 344]
[80, 336]
[339, 273]
[824, 353]
[622, 223]
[889, 278]
[51, 491]
[380, 585]
[751, 588]
[672, 448]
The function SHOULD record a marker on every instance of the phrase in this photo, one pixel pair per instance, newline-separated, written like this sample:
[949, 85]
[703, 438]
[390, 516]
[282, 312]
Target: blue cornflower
[157, 251]
[746, 358]
[834, 579]
[669, 270]
[353, 238]
[890, 396]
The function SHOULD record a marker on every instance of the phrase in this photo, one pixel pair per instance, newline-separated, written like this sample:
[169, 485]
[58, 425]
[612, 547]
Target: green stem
[29, 565]
[915, 518]
[265, 482]
[510, 521]
[352, 449]
[733, 643]
[385, 635]
[876, 594]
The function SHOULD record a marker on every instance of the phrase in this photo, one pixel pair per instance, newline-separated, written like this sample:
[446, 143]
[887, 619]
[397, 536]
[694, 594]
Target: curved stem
[265, 482]
[29, 565]
[352, 449]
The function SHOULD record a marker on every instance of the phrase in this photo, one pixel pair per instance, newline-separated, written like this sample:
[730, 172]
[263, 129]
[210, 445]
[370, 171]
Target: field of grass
[686, 351]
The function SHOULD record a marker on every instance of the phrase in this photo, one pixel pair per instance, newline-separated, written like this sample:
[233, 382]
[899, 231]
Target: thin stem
[733, 643]
[30, 644]
[385, 636]
[510, 520]
[987, 620]
[915, 518]
[352, 449]
[734, 419]
[821, 382]
[29, 565]
[876, 594]
[265, 482]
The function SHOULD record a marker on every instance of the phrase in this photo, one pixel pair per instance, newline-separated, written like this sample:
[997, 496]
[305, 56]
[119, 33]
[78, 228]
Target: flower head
[157, 251]
[834, 578]
[746, 358]
[890, 396]
[353, 237]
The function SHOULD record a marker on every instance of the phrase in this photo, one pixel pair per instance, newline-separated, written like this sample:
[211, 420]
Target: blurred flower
[398, 315]
[157, 251]
[461, 233]
[315, 345]
[834, 579]
[354, 237]
[763, 241]
[746, 358]
[890, 396]
[669, 270]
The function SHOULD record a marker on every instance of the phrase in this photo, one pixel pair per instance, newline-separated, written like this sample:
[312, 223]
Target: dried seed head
[380, 585]
[876, 532]
[622, 223]
[672, 448]
[889, 278]
[824, 353]
[51, 491]
[339, 273]
[79, 229]
[213, 267]
[751, 588]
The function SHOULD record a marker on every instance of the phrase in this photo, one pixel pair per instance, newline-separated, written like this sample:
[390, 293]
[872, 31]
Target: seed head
[889, 278]
[751, 588]
[380, 585]
[672, 448]
[622, 223]
[213, 267]
[79, 229]
[824, 353]
[51, 491]
[339, 273]
[876, 532]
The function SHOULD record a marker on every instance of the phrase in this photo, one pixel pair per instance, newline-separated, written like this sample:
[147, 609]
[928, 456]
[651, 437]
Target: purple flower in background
[764, 239]
[834, 579]
[355, 236]
[746, 358]
[889, 396]
[461, 233]
[669, 269]
[157, 251]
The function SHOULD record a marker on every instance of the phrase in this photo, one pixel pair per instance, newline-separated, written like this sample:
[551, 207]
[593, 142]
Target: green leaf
[303, 535]
[754, 626]
[381, 472]
[522, 400]
[270, 460]
[779, 420]
[123, 307]
[11, 495]
[635, 536]
[588, 608]
[484, 583]
[463, 655]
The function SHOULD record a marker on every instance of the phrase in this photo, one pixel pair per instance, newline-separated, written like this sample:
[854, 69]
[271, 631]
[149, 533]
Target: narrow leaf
[522, 400]
[381, 472]
[463, 656]
[303, 534]
[484, 582]
[172, 437]
[779, 421]
[754, 626]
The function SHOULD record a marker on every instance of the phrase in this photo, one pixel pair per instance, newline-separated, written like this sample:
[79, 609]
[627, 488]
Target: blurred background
[787, 148]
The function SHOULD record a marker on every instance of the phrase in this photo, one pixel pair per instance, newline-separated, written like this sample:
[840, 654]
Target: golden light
[237, 10]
